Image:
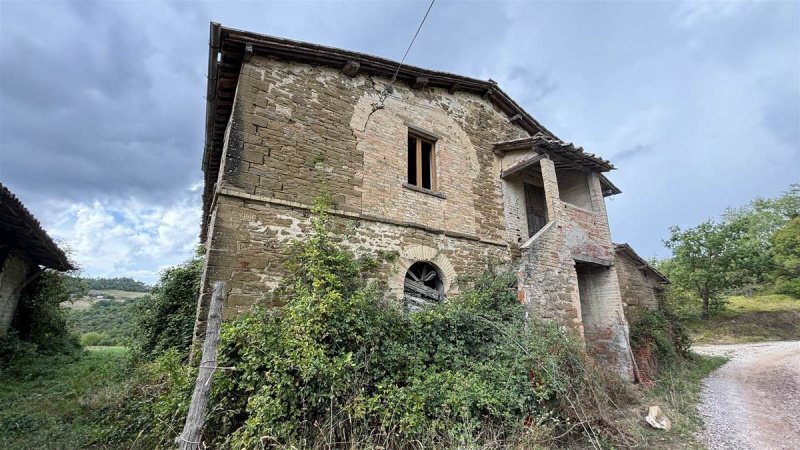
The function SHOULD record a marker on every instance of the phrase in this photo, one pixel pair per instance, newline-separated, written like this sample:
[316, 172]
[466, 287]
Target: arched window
[423, 285]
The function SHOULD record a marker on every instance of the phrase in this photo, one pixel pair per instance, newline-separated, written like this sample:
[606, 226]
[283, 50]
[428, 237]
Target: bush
[39, 322]
[165, 319]
[113, 318]
[659, 340]
[337, 366]
[154, 408]
[94, 338]
[786, 242]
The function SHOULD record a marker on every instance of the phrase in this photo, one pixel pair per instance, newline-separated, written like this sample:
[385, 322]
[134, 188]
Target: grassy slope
[677, 392]
[753, 319]
[57, 402]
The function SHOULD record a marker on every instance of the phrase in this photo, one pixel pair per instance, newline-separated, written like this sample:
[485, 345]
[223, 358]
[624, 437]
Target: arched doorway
[423, 285]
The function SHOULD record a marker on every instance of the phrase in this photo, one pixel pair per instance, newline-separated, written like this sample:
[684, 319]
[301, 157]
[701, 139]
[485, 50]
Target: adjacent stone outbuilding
[443, 170]
[640, 283]
[25, 248]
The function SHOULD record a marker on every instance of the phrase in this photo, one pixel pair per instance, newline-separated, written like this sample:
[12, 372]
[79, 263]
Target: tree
[165, 318]
[757, 223]
[786, 249]
[706, 260]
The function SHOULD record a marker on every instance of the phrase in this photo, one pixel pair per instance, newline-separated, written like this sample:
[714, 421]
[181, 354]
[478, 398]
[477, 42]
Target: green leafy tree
[756, 224]
[786, 249]
[119, 283]
[706, 260]
[165, 318]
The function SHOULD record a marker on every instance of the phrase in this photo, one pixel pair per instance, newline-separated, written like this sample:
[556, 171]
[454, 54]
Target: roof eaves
[627, 249]
[29, 234]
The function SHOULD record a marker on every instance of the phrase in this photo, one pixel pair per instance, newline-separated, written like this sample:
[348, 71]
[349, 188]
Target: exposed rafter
[562, 153]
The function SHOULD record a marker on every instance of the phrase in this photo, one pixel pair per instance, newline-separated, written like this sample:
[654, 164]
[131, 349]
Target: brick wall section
[549, 282]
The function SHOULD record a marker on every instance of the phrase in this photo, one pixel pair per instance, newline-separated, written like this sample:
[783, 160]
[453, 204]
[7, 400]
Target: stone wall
[638, 286]
[549, 282]
[14, 271]
[250, 237]
[297, 129]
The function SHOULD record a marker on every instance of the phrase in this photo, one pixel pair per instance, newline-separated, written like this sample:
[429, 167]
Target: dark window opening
[423, 286]
[427, 152]
[421, 162]
[412, 160]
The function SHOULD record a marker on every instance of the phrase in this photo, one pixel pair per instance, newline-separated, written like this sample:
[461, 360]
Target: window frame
[420, 137]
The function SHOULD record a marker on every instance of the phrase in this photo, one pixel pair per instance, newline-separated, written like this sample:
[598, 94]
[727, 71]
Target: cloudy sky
[102, 108]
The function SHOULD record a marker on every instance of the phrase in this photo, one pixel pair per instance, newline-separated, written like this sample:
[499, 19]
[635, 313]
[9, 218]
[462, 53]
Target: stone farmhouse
[442, 169]
[25, 249]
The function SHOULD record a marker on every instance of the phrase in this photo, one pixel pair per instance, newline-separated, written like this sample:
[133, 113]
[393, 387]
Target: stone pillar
[550, 186]
[13, 273]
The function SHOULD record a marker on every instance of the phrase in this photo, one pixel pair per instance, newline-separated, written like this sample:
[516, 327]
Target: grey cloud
[781, 113]
[104, 101]
[632, 152]
[84, 115]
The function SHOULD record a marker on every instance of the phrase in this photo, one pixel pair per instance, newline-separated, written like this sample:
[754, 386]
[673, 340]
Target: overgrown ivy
[339, 366]
[659, 339]
[39, 323]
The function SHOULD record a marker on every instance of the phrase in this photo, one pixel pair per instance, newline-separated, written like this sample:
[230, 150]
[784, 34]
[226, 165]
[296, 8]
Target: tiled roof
[627, 249]
[19, 229]
[551, 145]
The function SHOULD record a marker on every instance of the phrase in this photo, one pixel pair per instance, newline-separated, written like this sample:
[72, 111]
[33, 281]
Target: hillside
[751, 319]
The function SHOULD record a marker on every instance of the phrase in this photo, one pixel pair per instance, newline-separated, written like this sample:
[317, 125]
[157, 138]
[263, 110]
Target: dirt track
[753, 401]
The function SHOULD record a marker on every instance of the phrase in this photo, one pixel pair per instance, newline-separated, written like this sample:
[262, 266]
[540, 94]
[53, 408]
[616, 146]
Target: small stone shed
[25, 249]
[640, 282]
[443, 170]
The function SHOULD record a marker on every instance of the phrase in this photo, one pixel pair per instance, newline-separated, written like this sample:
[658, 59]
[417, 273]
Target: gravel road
[753, 401]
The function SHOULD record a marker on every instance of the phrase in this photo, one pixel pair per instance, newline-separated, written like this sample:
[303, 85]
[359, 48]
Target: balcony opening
[573, 187]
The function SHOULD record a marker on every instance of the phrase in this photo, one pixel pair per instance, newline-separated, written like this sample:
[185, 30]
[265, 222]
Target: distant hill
[119, 284]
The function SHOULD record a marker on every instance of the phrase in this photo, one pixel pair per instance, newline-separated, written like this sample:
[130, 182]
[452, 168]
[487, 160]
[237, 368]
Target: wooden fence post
[191, 436]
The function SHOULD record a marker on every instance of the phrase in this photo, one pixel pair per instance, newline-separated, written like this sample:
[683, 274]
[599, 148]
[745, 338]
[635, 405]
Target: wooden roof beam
[351, 68]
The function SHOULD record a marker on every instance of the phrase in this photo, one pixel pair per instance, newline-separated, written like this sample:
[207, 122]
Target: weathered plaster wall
[14, 270]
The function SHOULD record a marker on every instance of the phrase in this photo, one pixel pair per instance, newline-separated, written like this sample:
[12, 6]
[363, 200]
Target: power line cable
[387, 89]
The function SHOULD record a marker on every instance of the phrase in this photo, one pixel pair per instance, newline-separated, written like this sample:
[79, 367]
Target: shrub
[39, 322]
[786, 242]
[337, 366]
[113, 318]
[152, 412]
[165, 319]
[658, 339]
[93, 338]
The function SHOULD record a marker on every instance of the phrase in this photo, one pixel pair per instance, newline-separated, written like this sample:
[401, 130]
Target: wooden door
[535, 208]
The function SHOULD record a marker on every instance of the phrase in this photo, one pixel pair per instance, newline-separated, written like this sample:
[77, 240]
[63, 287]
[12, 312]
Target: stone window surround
[422, 190]
[417, 253]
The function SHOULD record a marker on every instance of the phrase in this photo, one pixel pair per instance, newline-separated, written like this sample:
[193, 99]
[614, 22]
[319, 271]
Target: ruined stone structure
[24, 249]
[444, 170]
